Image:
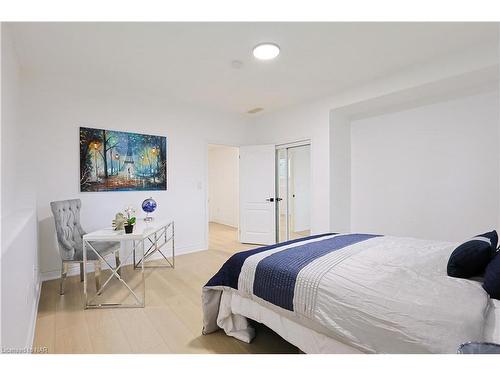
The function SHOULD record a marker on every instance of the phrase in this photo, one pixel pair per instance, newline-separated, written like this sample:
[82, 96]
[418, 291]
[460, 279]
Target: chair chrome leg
[64, 272]
[97, 276]
[81, 272]
[117, 260]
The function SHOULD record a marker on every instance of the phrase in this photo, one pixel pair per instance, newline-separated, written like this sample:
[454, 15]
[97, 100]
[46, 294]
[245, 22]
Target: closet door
[293, 192]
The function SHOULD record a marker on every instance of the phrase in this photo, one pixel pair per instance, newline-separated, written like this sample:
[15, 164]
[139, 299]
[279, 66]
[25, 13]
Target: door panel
[294, 187]
[282, 180]
[300, 190]
[257, 186]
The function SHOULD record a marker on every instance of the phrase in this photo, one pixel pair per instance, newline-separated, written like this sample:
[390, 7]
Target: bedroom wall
[429, 172]
[322, 122]
[55, 107]
[19, 258]
[340, 172]
[223, 185]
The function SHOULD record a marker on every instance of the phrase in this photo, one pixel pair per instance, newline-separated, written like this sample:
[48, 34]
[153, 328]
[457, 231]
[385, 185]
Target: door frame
[287, 146]
[303, 142]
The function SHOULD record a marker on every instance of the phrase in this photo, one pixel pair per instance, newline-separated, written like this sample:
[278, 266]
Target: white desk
[158, 233]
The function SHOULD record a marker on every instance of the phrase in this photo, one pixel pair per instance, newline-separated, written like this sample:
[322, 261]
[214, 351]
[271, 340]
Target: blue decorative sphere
[149, 205]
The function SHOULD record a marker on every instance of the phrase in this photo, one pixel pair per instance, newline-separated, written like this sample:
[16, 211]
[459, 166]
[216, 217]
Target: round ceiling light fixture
[266, 51]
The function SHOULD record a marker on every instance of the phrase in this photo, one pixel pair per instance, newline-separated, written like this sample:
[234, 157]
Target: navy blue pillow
[471, 258]
[493, 237]
[492, 278]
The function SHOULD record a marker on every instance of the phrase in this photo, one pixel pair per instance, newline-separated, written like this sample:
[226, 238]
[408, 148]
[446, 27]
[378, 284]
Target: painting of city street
[119, 161]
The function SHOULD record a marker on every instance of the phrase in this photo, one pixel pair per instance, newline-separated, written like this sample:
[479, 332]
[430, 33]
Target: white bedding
[382, 295]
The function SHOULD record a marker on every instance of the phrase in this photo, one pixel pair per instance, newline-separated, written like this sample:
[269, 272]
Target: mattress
[302, 336]
[374, 294]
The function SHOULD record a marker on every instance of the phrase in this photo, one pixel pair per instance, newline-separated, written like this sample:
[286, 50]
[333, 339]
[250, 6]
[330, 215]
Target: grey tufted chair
[70, 233]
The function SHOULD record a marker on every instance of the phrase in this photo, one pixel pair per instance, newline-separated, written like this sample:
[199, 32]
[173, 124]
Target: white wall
[19, 259]
[429, 172]
[54, 108]
[340, 172]
[223, 184]
[322, 122]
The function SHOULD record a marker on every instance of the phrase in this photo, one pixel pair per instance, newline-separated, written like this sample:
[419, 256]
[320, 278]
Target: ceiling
[192, 62]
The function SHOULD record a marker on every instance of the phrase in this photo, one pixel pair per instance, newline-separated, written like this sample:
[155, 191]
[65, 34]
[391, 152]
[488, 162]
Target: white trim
[74, 269]
[34, 313]
[304, 142]
[222, 222]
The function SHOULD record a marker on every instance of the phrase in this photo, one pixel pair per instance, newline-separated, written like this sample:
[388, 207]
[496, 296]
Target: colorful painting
[119, 161]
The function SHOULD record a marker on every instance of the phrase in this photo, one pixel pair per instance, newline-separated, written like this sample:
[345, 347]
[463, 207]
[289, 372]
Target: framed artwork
[120, 161]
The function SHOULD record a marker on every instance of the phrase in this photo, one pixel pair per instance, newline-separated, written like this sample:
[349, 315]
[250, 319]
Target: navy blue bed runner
[276, 274]
[230, 272]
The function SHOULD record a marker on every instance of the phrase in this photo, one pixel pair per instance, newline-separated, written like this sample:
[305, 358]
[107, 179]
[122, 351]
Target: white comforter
[383, 295]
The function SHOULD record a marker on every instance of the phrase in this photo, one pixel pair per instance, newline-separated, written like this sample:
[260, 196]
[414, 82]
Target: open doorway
[223, 197]
[293, 185]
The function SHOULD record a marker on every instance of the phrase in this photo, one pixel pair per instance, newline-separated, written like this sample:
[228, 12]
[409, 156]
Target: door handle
[274, 199]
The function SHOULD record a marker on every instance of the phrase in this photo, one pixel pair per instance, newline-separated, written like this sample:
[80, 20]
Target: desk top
[142, 230]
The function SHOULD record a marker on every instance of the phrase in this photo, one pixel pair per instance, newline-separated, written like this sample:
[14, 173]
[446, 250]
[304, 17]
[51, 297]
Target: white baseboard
[34, 313]
[74, 269]
[226, 223]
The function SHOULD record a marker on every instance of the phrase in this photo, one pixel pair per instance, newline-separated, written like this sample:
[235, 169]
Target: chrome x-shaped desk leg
[115, 272]
[157, 241]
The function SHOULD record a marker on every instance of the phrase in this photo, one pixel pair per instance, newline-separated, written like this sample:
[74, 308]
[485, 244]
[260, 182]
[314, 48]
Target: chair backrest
[68, 228]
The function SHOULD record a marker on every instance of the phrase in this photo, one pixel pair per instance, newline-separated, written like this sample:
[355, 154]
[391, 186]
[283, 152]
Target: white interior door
[257, 194]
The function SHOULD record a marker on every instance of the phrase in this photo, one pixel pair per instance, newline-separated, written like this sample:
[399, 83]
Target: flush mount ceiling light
[266, 51]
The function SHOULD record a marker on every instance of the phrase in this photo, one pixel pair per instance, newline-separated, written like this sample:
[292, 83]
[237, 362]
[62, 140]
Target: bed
[351, 293]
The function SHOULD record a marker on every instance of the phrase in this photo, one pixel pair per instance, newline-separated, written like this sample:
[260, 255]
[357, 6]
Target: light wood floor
[293, 235]
[171, 322]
